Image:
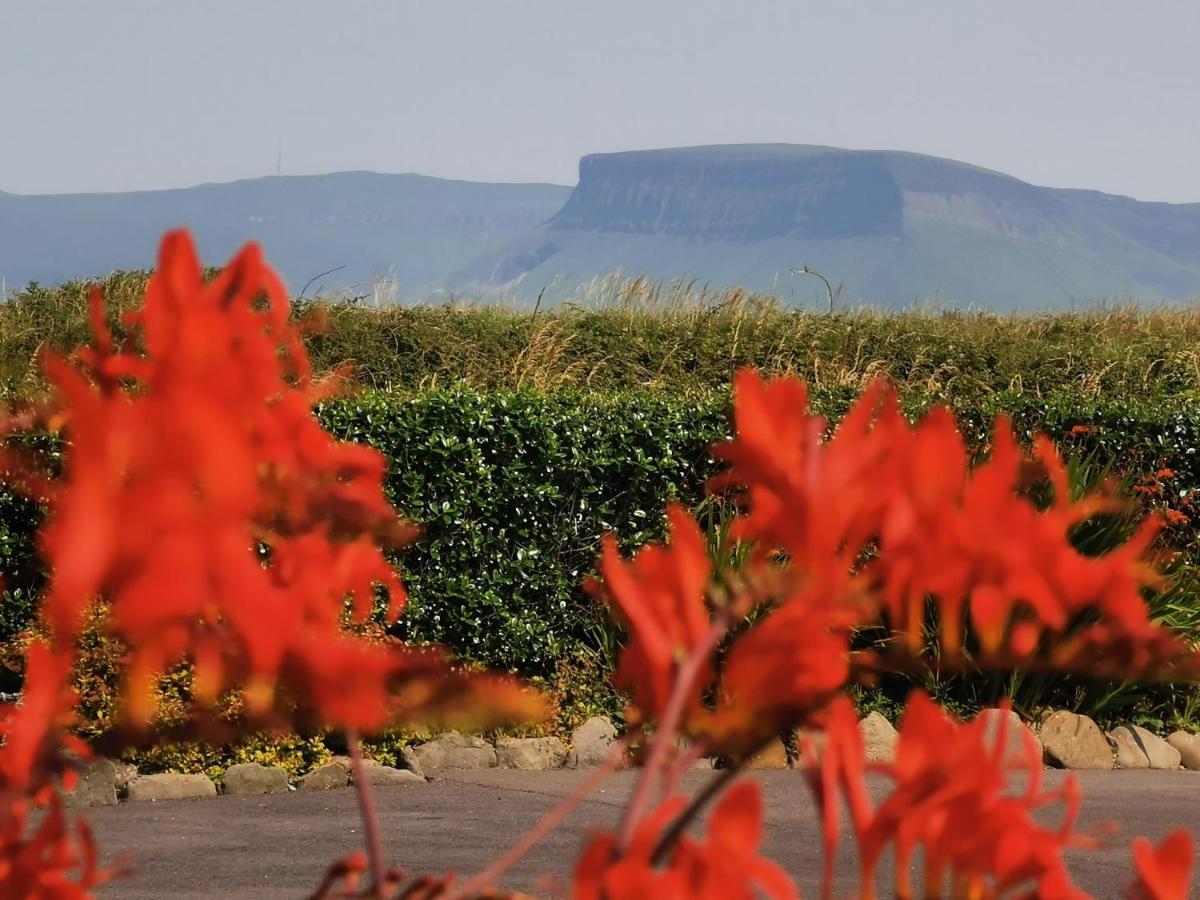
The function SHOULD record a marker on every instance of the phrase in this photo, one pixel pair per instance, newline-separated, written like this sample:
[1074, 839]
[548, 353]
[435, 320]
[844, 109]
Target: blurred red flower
[724, 866]
[1164, 872]
[222, 525]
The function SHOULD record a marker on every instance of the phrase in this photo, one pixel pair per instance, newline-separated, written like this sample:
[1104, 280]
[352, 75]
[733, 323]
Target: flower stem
[489, 876]
[370, 818]
[679, 826]
[664, 734]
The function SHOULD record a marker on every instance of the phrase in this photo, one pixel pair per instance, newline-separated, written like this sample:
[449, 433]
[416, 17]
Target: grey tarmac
[277, 846]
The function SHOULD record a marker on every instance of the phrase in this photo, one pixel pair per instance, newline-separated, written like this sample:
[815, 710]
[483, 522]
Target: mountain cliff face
[893, 227]
[410, 229]
[735, 195]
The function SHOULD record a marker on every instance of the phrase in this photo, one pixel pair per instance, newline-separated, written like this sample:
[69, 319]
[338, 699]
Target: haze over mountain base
[892, 228]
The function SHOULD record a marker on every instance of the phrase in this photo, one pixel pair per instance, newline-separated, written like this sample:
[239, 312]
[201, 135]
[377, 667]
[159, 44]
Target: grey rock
[379, 775]
[1137, 748]
[249, 779]
[1188, 746]
[1074, 742]
[810, 747]
[1017, 735]
[772, 756]
[879, 738]
[126, 772]
[1162, 755]
[530, 753]
[331, 776]
[171, 786]
[348, 764]
[701, 762]
[1125, 747]
[455, 751]
[411, 762]
[591, 743]
[97, 785]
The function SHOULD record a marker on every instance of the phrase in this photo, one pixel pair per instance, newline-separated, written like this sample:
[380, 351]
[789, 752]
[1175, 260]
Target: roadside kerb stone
[171, 786]
[251, 779]
[411, 762]
[1072, 741]
[879, 738]
[96, 785]
[331, 776]
[1017, 735]
[1188, 746]
[126, 772]
[591, 743]
[810, 745]
[1137, 748]
[530, 753]
[772, 756]
[455, 751]
[380, 775]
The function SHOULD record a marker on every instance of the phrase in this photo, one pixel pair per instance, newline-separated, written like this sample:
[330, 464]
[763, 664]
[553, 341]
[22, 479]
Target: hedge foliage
[515, 489]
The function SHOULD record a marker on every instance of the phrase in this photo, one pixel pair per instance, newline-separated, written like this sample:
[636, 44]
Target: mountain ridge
[364, 225]
[893, 226]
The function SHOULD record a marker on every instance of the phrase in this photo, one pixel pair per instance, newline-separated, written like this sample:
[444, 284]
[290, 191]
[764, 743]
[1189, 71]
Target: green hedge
[515, 489]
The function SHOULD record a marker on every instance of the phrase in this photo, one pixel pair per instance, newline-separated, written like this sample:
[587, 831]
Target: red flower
[835, 767]
[786, 668]
[952, 799]
[725, 866]
[820, 501]
[48, 860]
[1175, 517]
[204, 502]
[1164, 872]
[33, 734]
[901, 506]
[659, 598]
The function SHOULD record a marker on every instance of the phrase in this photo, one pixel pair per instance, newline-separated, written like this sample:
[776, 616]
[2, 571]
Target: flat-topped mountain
[893, 227]
[408, 228]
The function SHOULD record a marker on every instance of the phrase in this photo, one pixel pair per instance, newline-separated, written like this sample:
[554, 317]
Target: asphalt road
[279, 846]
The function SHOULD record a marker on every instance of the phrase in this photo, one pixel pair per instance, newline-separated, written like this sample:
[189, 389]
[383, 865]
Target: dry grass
[619, 333]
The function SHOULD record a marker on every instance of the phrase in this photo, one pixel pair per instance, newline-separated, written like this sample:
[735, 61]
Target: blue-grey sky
[130, 94]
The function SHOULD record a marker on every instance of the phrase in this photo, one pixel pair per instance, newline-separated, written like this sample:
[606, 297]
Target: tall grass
[619, 333]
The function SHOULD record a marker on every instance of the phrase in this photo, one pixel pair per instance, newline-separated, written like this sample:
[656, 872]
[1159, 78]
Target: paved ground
[277, 847]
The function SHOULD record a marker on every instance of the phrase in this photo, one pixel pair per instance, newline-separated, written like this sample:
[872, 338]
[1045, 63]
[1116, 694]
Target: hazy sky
[125, 94]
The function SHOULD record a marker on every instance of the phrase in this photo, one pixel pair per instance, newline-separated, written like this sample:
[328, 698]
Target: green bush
[514, 490]
[22, 572]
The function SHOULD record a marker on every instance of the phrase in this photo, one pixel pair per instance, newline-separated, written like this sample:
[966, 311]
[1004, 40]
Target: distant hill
[893, 227]
[407, 227]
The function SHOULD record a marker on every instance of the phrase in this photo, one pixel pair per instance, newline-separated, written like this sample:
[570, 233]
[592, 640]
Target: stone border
[1064, 739]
